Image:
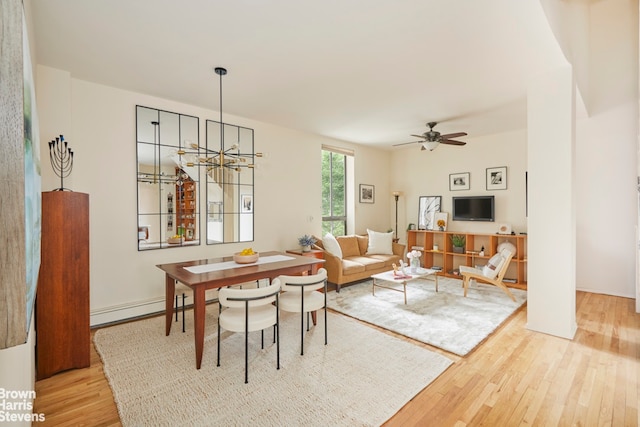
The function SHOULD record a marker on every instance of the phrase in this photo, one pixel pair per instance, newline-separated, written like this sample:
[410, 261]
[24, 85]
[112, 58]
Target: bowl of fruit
[246, 256]
[175, 240]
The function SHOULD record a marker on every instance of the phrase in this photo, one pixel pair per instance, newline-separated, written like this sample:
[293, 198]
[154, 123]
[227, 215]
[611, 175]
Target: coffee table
[388, 277]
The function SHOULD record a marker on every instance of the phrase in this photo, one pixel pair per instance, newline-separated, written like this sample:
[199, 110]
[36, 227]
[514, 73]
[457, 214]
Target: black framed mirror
[229, 182]
[168, 188]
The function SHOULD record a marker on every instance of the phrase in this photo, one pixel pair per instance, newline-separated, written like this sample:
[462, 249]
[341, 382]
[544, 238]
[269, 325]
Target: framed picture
[440, 221]
[427, 208]
[497, 178]
[246, 203]
[459, 181]
[367, 193]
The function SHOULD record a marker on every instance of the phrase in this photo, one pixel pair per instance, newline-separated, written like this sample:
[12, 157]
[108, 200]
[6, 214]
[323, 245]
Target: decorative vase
[415, 264]
[441, 228]
[306, 248]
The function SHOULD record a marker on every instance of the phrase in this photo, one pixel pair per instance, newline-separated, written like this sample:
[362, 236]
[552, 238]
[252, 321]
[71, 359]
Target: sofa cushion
[351, 267]
[386, 259]
[349, 246]
[363, 244]
[493, 266]
[380, 243]
[331, 245]
[370, 263]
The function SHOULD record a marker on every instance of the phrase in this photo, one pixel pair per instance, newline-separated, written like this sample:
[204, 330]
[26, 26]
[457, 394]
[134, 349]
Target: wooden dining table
[289, 264]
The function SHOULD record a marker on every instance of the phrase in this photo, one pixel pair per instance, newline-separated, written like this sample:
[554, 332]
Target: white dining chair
[300, 296]
[247, 310]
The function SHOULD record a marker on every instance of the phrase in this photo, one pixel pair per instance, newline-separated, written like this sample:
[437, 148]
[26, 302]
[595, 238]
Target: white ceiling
[365, 71]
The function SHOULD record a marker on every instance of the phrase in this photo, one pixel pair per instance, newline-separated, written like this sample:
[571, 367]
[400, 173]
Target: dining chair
[248, 310]
[299, 296]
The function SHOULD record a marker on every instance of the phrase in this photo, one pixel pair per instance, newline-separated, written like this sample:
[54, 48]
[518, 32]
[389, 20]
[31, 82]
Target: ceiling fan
[432, 138]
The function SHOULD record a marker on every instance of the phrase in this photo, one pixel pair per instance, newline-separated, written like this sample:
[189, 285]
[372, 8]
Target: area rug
[444, 319]
[361, 378]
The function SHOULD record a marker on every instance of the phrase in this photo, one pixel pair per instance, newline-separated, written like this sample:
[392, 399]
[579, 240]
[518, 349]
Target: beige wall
[99, 123]
[426, 173]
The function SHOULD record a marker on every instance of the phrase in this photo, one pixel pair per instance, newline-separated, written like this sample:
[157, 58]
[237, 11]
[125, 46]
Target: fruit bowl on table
[245, 259]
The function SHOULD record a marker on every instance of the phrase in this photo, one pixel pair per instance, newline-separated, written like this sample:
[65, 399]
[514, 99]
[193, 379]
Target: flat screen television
[473, 208]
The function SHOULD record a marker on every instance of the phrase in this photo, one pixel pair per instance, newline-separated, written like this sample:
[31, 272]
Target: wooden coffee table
[388, 277]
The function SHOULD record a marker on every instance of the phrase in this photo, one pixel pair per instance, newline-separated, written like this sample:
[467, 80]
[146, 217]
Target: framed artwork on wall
[459, 181]
[367, 193]
[497, 178]
[427, 208]
[246, 203]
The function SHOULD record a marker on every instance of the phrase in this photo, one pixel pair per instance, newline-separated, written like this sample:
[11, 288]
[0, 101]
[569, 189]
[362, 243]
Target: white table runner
[226, 265]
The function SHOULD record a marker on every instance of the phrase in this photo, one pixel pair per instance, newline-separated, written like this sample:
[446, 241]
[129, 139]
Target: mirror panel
[168, 187]
[230, 183]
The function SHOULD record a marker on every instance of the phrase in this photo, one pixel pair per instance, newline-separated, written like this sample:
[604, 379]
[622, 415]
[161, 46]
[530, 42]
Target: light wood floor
[516, 377]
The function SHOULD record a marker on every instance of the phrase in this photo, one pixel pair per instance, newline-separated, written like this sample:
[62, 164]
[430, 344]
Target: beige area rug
[444, 319]
[361, 378]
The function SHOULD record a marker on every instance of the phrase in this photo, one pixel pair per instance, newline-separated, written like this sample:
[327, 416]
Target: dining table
[214, 273]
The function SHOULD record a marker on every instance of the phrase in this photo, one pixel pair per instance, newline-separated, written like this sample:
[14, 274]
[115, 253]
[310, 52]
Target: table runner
[226, 265]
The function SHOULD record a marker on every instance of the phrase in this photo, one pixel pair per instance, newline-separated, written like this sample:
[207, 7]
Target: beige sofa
[356, 264]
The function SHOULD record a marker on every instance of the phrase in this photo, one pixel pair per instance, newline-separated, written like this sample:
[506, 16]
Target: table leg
[170, 285]
[198, 321]
[436, 281]
[404, 286]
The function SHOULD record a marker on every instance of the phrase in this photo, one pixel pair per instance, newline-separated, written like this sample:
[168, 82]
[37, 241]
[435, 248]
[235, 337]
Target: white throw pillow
[380, 243]
[331, 245]
[490, 271]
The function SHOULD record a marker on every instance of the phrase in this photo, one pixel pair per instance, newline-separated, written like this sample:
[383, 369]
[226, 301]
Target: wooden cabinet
[450, 261]
[186, 205]
[62, 299]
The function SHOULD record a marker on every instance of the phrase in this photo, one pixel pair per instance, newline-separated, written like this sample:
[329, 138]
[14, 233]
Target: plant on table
[306, 242]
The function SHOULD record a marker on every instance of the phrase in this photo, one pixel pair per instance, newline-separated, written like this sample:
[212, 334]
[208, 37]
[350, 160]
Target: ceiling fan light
[431, 145]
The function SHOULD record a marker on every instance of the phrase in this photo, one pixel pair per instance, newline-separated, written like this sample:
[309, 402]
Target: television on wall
[473, 208]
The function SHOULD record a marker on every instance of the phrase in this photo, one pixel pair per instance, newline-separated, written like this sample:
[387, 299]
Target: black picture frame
[427, 208]
[367, 193]
[459, 181]
[497, 178]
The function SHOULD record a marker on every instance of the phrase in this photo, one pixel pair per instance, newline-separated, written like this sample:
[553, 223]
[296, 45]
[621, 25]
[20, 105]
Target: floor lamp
[396, 195]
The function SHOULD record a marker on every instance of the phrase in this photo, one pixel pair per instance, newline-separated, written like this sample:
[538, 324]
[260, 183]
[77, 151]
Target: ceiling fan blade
[419, 136]
[453, 135]
[405, 143]
[452, 142]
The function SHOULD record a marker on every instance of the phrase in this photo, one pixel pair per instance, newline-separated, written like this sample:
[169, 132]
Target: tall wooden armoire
[63, 336]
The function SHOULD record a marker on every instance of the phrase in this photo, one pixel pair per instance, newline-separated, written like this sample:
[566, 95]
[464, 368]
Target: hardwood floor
[516, 377]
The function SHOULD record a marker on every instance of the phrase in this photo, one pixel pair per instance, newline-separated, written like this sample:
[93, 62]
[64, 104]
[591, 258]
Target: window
[334, 185]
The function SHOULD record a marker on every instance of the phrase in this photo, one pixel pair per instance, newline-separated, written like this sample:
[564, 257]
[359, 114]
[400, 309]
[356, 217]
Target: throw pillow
[490, 271]
[348, 246]
[380, 243]
[331, 245]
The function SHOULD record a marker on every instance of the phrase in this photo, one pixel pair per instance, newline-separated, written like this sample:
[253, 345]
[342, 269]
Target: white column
[551, 283]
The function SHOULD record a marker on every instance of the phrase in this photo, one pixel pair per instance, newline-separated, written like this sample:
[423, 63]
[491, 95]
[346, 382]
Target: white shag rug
[361, 378]
[444, 319]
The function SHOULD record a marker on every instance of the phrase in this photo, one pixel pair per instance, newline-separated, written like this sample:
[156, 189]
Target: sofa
[358, 260]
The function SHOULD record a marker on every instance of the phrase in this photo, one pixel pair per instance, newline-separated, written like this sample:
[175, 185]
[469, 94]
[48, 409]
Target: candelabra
[61, 157]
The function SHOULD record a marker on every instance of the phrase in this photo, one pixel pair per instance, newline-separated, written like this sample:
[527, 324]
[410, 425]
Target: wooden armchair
[478, 274]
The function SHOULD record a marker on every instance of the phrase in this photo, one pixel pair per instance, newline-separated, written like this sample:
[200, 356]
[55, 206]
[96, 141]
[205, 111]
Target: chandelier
[231, 158]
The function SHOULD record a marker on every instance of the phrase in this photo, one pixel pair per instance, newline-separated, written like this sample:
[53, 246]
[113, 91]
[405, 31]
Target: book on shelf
[436, 268]
[418, 248]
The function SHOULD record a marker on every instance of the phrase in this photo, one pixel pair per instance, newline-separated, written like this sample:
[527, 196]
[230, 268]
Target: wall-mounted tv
[473, 208]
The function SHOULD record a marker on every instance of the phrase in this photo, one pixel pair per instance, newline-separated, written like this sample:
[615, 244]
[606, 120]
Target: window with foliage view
[334, 212]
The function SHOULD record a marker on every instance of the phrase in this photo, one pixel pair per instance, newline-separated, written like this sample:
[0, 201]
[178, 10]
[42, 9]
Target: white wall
[426, 173]
[99, 123]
